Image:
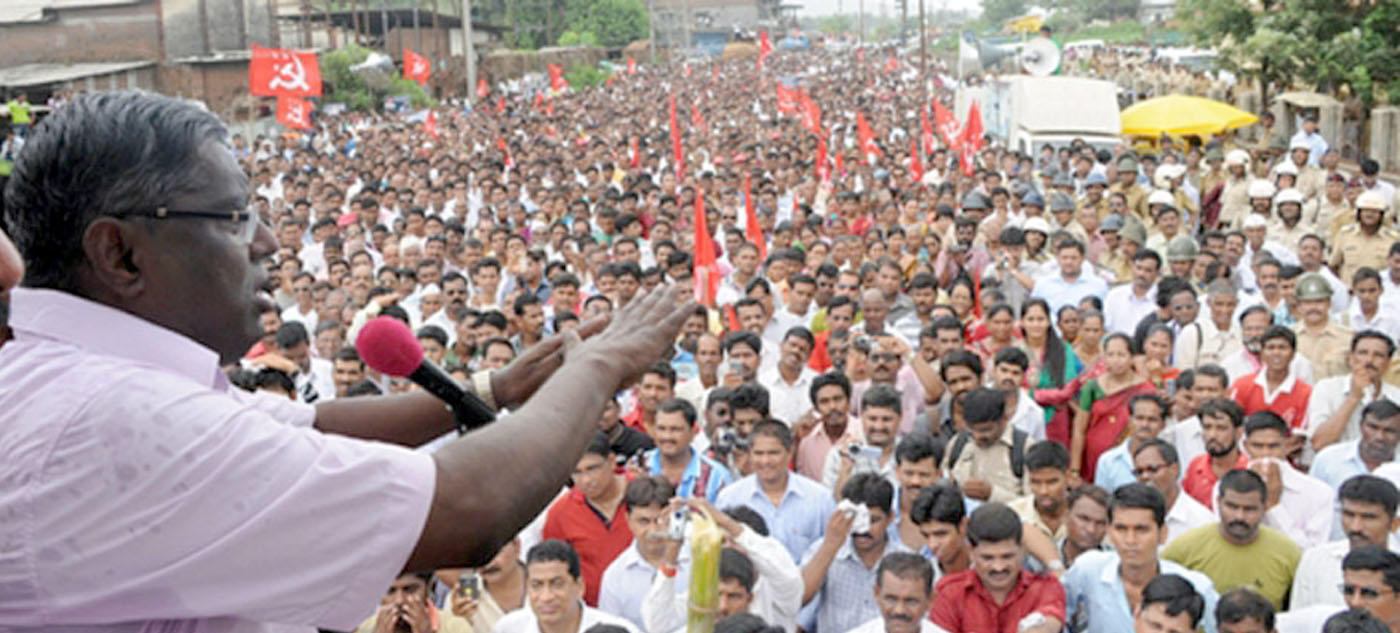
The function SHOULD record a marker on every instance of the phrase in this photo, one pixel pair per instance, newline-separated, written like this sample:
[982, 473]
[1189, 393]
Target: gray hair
[102, 154]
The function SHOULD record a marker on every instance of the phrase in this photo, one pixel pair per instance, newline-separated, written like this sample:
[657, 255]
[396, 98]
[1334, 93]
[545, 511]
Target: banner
[278, 72]
[482, 89]
[946, 125]
[811, 115]
[417, 67]
[916, 163]
[764, 48]
[294, 113]
[972, 130]
[925, 131]
[866, 136]
[787, 99]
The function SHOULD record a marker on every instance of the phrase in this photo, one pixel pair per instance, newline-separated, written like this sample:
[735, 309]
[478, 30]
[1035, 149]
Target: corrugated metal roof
[43, 74]
[22, 11]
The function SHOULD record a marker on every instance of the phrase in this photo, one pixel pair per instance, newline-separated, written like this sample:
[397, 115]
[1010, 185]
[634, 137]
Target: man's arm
[532, 452]
[815, 568]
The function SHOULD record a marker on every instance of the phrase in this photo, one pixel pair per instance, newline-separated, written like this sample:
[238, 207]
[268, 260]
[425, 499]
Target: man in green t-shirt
[1238, 551]
[20, 117]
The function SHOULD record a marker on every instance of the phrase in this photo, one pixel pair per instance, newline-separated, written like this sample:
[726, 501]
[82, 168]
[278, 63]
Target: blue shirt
[702, 472]
[846, 598]
[797, 521]
[1115, 468]
[1094, 591]
[1317, 146]
[1059, 293]
[1338, 463]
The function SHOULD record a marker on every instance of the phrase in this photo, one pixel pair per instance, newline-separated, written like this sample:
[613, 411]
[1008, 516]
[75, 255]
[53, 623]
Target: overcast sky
[873, 7]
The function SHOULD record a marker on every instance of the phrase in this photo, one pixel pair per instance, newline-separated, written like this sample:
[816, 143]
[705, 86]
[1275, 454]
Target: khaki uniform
[1327, 218]
[1311, 181]
[1137, 199]
[1185, 206]
[1286, 236]
[1326, 350]
[1234, 201]
[1209, 179]
[1353, 249]
[1120, 266]
[1100, 209]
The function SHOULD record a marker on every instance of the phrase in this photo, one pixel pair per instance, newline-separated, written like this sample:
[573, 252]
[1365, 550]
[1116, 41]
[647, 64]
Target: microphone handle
[467, 409]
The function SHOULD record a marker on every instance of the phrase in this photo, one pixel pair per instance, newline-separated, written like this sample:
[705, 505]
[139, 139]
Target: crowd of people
[932, 389]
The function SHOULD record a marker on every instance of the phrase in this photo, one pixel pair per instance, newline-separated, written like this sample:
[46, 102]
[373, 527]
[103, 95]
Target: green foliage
[613, 22]
[994, 12]
[345, 86]
[836, 24]
[1121, 32]
[578, 38]
[583, 76]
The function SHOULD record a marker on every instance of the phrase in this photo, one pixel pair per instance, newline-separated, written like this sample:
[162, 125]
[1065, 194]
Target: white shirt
[777, 593]
[524, 621]
[628, 578]
[1385, 320]
[878, 626]
[308, 319]
[1187, 438]
[155, 471]
[1203, 343]
[1329, 394]
[1304, 510]
[1029, 417]
[1243, 363]
[1186, 514]
[787, 402]
[1319, 576]
[1123, 309]
[318, 381]
[1307, 619]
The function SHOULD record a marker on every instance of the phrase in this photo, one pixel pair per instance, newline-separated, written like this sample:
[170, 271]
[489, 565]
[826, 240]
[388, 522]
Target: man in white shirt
[1156, 464]
[554, 592]
[756, 575]
[1214, 336]
[789, 381]
[1367, 311]
[904, 591]
[1009, 367]
[1126, 305]
[315, 377]
[1294, 499]
[1334, 407]
[627, 579]
[1209, 381]
[1368, 506]
[304, 310]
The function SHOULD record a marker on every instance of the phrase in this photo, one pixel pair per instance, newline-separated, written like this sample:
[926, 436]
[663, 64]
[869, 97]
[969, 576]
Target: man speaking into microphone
[139, 491]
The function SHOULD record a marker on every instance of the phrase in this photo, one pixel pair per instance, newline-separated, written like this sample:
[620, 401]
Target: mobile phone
[469, 585]
[680, 518]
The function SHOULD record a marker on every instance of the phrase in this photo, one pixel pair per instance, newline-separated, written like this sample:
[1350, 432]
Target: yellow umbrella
[1179, 115]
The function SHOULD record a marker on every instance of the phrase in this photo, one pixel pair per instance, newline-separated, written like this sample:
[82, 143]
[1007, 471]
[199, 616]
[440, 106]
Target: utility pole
[923, 53]
[651, 30]
[417, 34]
[384, 26]
[468, 49]
[861, 9]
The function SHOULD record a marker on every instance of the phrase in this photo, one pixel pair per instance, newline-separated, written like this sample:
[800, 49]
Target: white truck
[1027, 112]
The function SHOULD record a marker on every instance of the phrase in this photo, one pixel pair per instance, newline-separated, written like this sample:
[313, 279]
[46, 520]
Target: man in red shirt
[1222, 423]
[1274, 387]
[657, 385]
[592, 517]
[997, 595]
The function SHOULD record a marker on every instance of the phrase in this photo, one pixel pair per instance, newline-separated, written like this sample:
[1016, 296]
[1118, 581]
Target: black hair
[1214, 371]
[749, 517]
[1381, 409]
[1154, 398]
[1043, 455]
[908, 566]
[1223, 406]
[554, 550]
[1240, 604]
[599, 445]
[646, 492]
[984, 404]
[432, 332]
[869, 489]
[1367, 488]
[664, 370]
[802, 333]
[750, 396]
[1375, 558]
[1176, 594]
[1054, 359]
[743, 337]
[918, 446]
[291, 334]
[1139, 495]
[774, 429]
[1375, 334]
[1261, 420]
[744, 623]
[942, 502]
[681, 406]
[829, 378]
[993, 522]
[1244, 481]
[1164, 448]
[1279, 331]
[1354, 621]
[884, 396]
[1012, 356]
[960, 358]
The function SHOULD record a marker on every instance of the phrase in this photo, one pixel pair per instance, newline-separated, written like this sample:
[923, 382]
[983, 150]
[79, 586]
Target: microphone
[389, 347]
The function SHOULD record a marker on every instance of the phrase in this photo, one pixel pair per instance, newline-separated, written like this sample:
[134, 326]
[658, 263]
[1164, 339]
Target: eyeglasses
[1149, 470]
[242, 224]
[1366, 593]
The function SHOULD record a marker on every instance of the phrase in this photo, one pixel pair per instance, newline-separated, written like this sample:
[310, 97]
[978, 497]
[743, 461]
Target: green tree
[994, 12]
[352, 89]
[613, 22]
[578, 38]
[836, 24]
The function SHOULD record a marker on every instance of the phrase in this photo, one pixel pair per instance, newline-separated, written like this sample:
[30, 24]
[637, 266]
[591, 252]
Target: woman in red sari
[1102, 419]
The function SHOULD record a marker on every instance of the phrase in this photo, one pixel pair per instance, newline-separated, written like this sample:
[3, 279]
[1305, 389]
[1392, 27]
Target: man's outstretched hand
[629, 340]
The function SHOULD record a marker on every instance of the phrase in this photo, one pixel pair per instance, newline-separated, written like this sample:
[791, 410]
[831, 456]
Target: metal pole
[417, 35]
[651, 30]
[468, 49]
[861, 9]
[923, 50]
[384, 26]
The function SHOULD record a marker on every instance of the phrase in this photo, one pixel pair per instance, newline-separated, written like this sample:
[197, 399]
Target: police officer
[1181, 256]
[1366, 242]
[1320, 340]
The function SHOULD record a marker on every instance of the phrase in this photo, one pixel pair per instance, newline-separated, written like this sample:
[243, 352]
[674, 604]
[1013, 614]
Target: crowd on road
[931, 388]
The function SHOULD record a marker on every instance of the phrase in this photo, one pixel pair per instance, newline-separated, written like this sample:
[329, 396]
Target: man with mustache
[1380, 433]
[1275, 387]
[1237, 551]
[839, 569]
[1137, 527]
[997, 594]
[1254, 322]
[903, 590]
[407, 608]
[1320, 340]
[1334, 410]
[1221, 425]
[1368, 508]
[1045, 508]
[1294, 497]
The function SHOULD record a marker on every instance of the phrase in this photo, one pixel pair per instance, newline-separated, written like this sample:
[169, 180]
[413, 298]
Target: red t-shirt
[597, 539]
[965, 606]
[1200, 480]
[1291, 405]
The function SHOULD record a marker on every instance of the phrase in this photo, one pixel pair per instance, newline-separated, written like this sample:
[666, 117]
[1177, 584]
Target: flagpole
[468, 49]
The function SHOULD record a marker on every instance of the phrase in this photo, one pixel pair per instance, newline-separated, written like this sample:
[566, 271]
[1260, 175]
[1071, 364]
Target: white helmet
[1286, 167]
[1237, 157]
[1159, 196]
[1260, 188]
[1371, 200]
[1289, 195]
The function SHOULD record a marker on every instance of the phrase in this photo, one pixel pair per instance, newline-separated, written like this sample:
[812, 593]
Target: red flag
[279, 72]
[706, 271]
[676, 153]
[947, 126]
[501, 105]
[787, 99]
[631, 65]
[972, 130]
[696, 121]
[549, 107]
[294, 113]
[840, 161]
[752, 232]
[636, 159]
[916, 163]
[430, 124]
[505, 149]
[811, 115]
[764, 48]
[891, 64]
[482, 89]
[417, 67]
[925, 131]
[823, 169]
[539, 99]
[556, 78]
[867, 136]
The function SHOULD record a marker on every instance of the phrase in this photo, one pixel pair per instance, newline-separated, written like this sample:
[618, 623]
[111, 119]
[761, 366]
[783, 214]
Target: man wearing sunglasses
[1371, 581]
[127, 455]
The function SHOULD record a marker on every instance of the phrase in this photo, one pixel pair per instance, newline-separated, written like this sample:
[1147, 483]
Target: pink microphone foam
[388, 346]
